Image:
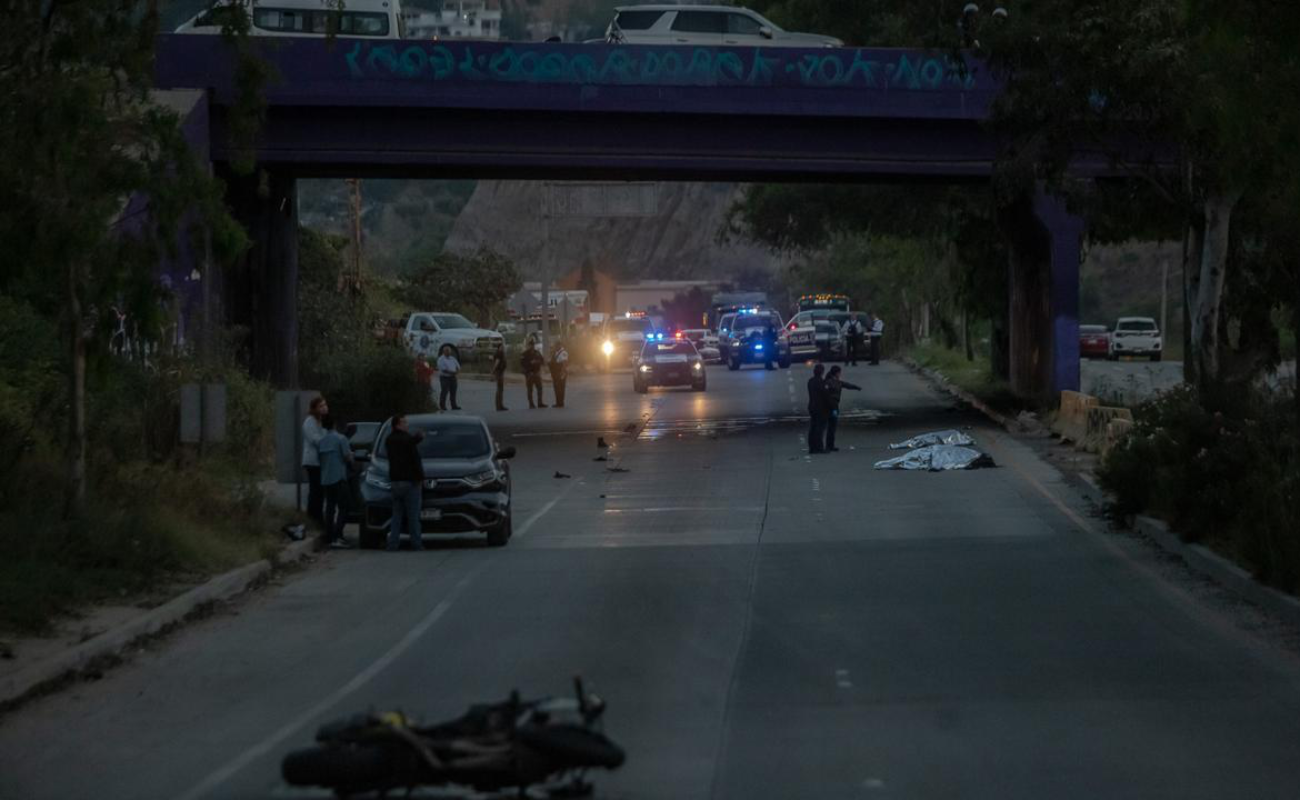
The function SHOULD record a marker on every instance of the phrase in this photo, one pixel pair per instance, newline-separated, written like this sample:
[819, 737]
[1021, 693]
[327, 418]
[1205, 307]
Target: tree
[1173, 91]
[476, 284]
[96, 180]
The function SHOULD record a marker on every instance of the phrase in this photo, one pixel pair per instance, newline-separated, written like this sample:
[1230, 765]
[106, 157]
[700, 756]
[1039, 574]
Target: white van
[710, 25]
[365, 19]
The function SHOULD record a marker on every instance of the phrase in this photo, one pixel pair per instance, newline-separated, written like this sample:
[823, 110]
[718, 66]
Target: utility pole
[350, 279]
[547, 211]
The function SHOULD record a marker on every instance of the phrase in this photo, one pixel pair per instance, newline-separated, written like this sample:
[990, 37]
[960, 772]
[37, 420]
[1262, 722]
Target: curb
[1200, 558]
[30, 680]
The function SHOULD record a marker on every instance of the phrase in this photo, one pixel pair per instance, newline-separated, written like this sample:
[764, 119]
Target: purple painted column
[1065, 252]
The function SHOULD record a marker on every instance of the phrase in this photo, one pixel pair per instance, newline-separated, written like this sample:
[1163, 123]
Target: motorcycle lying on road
[549, 743]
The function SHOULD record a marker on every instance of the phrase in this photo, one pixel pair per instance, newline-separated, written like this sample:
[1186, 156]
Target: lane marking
[842, 679]
[365, 676]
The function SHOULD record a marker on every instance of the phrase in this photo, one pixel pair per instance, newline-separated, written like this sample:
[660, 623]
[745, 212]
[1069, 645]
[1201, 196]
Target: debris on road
[939, 458]
[559, 474]
[601, 443]
[295, 532]
[617, 469]
[630, 428]
[600, 458]
[953, 437]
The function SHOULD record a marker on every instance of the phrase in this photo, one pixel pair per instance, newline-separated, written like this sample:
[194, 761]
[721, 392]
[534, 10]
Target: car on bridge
[669, 362]
[708, 25]
[359, 19]
[1136, 336]
[466, 481]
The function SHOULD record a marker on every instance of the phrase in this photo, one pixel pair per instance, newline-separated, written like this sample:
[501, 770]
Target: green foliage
[476, 284]
[1222, 469]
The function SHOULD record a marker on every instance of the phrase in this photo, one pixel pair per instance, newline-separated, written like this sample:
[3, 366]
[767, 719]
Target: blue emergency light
[758, 347]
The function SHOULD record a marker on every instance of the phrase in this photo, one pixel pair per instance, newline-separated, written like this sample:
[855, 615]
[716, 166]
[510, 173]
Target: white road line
[262, 748]
[842, 679]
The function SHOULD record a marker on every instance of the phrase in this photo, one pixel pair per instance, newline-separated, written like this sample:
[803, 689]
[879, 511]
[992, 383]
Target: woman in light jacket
[312, 431]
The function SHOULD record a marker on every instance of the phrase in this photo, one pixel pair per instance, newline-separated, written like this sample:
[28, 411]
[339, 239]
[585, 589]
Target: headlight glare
[607, 348]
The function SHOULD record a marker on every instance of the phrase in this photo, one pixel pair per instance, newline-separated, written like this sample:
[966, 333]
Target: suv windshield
[1137, 325]
[451, 321]
[445, 440]
[633, 325]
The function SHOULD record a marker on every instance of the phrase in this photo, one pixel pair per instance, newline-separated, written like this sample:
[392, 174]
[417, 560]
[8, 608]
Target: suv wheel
[498, 536]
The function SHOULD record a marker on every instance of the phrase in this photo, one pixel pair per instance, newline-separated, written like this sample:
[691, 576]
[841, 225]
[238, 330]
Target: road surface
[763, 624]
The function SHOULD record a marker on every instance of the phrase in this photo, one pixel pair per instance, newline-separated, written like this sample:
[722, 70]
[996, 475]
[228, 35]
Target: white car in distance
[706, 342]
[1136, 336]
[714, 26]
[355, 19]
[427, 331]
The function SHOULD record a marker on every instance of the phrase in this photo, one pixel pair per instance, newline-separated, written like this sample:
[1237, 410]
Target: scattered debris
[631, 428]
[600, 458]
[952, 437]
[617, 469]
[939, 458]
[559, 474]
[295, 532]
[6, 651]
[601, 443]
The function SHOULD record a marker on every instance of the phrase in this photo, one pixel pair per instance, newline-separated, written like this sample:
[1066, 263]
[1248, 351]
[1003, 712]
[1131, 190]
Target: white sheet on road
[935, 437]
[938, 458]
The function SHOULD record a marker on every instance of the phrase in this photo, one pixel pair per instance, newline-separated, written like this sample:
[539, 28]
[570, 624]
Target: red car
[1094, 341]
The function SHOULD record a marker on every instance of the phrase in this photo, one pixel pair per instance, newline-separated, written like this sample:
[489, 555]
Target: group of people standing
[532, 362]
[824, 390]
[863, 339]
[327, 460]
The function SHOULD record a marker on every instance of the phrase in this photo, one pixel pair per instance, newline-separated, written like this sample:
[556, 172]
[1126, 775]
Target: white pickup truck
[427, 331]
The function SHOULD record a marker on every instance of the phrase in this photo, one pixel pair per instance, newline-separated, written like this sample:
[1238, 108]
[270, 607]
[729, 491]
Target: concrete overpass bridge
[413, 109]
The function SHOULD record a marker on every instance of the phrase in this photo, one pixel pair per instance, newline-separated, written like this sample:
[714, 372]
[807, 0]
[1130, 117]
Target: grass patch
[145, 525]
[974, 376]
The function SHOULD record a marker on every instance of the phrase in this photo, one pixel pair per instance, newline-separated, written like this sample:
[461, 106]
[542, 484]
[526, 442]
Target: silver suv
[705, 25]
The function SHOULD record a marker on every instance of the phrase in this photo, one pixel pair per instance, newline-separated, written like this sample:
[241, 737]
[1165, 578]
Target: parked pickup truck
[427, 331]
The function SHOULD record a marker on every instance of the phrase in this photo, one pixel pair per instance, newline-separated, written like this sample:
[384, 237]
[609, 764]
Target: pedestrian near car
[532, 363]
[335, 464]
[406, 476]
[311, 436]
[853, 337]
[877, 331]
[448, 377]
[769, 345]
[817, 410]
[499, 373]
[835, 385]
[424, 375]
[559, 371]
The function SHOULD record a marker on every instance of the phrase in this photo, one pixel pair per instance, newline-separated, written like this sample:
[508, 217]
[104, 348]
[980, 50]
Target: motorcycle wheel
[350, 770]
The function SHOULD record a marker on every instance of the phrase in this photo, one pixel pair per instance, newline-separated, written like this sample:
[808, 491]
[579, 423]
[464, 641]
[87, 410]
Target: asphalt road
[762, 623]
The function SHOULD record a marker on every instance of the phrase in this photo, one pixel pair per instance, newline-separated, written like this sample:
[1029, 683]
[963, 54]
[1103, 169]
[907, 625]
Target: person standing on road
[769, 345]
[817, 408]
[877, 331]
[499, 373]
[424, 375]
[448, 370]
[406, 475]
[532, 364]
[853, 333]
[559, 371]
[335, 463]
[311, 436]
[834, 386]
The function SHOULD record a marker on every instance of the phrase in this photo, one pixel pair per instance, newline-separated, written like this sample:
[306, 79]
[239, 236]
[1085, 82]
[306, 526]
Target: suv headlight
[482, 478]
[378, 483]
[645, 367]
[607, 348]
[697, 365]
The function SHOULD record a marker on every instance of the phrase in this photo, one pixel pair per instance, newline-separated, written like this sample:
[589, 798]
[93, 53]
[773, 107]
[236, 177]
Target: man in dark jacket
[769, 345]
[499, 373]
[532, 362]
[818, 407]
[834, 386]
[406, 473]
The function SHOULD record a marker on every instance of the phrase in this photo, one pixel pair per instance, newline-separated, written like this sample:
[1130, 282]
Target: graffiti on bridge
[700, 66]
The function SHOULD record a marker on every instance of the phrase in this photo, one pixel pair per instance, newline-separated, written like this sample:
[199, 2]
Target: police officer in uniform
[499, 374]
[877, 331]
[769, 345]
[532, 364]
[818, 407]
[853, 332]
[559, 371]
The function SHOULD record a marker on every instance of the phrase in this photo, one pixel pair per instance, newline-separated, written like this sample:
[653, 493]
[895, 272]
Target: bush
[370, 382]
[1222, 470]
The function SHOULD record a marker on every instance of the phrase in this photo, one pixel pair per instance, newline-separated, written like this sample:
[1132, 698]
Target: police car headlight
[607, 348]
[697, 365]
[645, 367]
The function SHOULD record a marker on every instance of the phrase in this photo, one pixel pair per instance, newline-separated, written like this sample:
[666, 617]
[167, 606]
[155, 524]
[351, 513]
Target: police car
[741, 340]
[668, 362]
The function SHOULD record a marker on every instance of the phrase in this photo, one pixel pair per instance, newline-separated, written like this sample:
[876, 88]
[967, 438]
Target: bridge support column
[261, 290]
[1046, 250]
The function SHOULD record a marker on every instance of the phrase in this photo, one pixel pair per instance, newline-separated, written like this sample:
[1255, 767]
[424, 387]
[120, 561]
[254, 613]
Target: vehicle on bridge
[669, 362]
[1094, 341]
[427, 331]
[708, 25]
[357, 19]
[1136, 336]
[466, 481]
